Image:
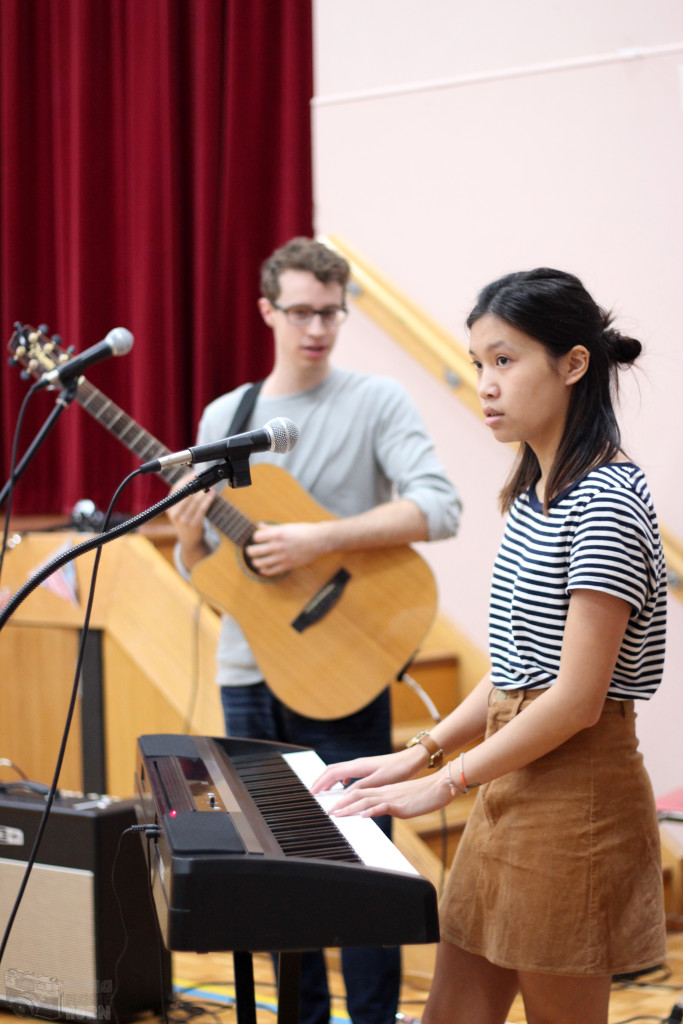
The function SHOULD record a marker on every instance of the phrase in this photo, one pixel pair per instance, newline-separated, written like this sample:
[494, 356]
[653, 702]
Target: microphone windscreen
[121, 340]
[285, 434]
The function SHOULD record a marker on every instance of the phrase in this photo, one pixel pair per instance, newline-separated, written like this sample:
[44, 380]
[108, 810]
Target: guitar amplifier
[84, 944]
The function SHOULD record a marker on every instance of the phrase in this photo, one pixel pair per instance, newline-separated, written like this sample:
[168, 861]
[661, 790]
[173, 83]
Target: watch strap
[430, 745]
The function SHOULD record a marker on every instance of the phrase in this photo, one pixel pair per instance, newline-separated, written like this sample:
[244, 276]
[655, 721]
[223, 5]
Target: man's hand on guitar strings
[278, 548]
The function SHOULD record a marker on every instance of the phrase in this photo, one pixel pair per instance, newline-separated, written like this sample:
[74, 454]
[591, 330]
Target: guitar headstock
[34, 350]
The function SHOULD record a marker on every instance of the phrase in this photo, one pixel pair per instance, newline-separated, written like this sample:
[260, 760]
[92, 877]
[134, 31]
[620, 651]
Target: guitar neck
[227, 519]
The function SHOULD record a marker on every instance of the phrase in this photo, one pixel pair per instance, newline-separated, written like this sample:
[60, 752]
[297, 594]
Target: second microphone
[278, 435]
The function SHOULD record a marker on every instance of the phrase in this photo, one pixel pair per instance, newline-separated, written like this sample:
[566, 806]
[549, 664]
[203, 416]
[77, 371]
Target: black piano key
[299, 824]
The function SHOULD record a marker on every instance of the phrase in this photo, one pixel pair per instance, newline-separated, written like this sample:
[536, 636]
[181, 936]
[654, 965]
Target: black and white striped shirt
[600, 534]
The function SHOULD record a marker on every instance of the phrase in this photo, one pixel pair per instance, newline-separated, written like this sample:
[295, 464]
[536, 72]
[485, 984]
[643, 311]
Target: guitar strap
[244, 409]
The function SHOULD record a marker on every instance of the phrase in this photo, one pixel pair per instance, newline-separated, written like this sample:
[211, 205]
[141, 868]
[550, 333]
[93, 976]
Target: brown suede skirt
[559, 867]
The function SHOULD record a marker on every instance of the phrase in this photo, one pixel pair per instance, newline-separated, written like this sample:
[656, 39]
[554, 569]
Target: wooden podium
[149, 664]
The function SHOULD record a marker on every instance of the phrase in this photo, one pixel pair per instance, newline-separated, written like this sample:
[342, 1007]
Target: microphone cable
[209, 478]
[676, 1015]
[52, 791]
[11, 479]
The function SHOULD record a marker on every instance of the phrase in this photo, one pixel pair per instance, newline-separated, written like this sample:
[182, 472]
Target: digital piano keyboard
[245, 858]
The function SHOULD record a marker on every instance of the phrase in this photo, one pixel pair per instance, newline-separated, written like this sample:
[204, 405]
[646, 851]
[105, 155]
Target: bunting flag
[63, 581]
[671, 802]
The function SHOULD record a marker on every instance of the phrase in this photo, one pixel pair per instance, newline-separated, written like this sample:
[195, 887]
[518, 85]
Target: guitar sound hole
[252, 568]
[248, 562]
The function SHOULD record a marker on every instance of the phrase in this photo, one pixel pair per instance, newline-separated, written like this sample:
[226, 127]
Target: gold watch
[431, 746]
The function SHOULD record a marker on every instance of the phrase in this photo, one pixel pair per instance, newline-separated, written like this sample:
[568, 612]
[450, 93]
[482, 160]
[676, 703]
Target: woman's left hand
[400, 799]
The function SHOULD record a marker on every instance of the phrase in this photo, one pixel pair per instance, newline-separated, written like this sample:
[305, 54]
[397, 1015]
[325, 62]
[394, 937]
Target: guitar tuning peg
[25, 375]
[43, 329]
[11, 361]
[57, 338]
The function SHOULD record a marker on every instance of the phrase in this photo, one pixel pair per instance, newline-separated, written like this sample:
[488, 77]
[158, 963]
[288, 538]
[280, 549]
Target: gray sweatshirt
[362, 442]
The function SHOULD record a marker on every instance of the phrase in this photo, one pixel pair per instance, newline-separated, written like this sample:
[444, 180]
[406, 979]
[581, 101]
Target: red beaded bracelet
[455, 790]
[462, 772]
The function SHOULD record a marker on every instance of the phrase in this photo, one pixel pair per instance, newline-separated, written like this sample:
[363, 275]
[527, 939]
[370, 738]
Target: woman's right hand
[372, 771]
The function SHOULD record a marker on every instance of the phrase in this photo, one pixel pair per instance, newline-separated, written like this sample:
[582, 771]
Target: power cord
[6, 762]
[154, 831]
[676, 1015]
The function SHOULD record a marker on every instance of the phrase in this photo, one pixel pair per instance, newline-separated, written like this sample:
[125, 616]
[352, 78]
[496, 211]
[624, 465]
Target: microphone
[117, 343]
[278, 435]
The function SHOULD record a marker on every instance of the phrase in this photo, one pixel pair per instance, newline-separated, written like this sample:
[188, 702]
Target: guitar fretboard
[227, 519]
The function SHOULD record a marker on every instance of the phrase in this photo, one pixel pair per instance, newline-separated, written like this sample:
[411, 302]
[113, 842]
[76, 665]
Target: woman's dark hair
[555, 309]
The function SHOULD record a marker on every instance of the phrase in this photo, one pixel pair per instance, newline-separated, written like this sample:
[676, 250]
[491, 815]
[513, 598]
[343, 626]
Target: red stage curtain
[152, 153]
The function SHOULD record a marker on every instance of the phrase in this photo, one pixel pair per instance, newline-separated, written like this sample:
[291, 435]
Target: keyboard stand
[288, 986]
[288, 983]
[245, 1001]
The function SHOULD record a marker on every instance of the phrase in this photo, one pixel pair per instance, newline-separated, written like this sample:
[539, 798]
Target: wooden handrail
[443, 355]
[439, 352]
[673, 552]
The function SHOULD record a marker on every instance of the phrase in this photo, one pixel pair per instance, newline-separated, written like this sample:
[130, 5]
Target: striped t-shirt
[600, 534]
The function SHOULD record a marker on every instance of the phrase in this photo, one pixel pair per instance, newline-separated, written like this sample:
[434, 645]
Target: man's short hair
[303, 254]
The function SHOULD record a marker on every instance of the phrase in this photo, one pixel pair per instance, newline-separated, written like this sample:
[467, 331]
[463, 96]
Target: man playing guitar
[365, 456]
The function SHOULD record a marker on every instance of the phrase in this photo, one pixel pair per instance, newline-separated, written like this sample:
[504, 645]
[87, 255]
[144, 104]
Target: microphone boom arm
[200, 483]
[63, 400]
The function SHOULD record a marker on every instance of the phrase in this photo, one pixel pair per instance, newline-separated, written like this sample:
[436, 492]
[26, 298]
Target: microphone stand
[63, 401]
[202, 482]
[205, 480]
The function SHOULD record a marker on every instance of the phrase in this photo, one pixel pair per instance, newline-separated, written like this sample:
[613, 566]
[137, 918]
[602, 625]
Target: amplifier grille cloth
[50, 957]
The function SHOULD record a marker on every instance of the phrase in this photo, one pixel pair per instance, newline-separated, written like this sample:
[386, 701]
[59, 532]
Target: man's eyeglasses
[302, 316]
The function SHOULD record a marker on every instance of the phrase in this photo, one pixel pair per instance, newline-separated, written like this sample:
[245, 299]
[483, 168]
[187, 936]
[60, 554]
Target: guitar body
[329, 636]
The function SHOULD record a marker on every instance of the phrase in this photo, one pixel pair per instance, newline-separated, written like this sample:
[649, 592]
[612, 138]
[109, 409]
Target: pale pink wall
[454, 142]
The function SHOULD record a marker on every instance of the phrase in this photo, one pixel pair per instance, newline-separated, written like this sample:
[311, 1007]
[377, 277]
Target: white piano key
[365, 836]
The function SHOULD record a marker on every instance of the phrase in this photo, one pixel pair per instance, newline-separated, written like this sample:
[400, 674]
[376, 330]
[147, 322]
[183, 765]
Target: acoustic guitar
[328, 636]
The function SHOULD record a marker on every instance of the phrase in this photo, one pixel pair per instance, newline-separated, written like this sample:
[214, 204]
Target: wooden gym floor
[205, 992]
[651, 997]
